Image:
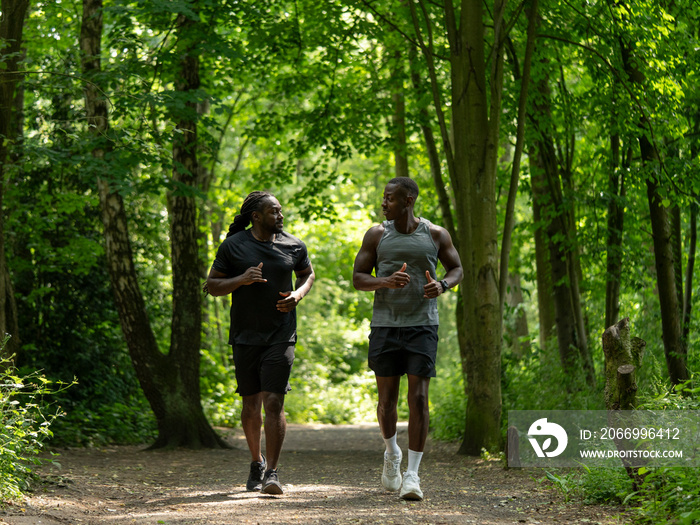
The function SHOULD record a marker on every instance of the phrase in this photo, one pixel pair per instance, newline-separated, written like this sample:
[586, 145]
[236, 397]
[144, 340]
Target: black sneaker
[271, 483]
[257, 471]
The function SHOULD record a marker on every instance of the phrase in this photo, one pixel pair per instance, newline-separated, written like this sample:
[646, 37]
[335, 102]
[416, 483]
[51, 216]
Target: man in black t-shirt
[255, 266]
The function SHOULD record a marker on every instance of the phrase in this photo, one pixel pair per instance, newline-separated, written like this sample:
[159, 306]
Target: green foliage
[218, 385]
[668, 495]
[24, 425]
[298, 100]
[122, 421]
[592, 486]
[316, 399]
[536, 381]
[448, 402]
[65, 305]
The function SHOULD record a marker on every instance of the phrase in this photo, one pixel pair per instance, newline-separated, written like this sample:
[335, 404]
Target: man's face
[395, 202]
[271, 218]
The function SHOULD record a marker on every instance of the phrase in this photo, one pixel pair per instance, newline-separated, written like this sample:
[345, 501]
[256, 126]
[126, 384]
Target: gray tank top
[406, 306]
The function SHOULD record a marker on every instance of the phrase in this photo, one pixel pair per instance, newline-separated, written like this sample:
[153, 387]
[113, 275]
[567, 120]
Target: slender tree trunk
[471, 155]
[187, 424]
[689, 271]
[545, 293]
[692, 245]
[665, 252]
[675, 347]
[11, 31]
[431, 149]
[399, 117]
[170, 383]
[506, 244]
[559, 232]
[616, 219]
[517, 330]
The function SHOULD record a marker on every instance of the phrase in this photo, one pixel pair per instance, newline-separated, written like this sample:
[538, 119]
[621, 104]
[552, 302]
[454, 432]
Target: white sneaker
[410, 489]
[391, 475]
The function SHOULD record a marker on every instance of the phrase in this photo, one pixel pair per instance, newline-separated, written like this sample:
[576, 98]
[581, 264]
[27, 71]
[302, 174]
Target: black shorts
[406, 350]
[263, 368]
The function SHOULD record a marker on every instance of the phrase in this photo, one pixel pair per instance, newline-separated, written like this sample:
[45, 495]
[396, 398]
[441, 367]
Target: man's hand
[289, 301]
[398, 279]
[433, 288]
[253, 275]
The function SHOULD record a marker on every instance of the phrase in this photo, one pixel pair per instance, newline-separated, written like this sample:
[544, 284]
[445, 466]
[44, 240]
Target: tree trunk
[516, 329]
[620, 350]
[689, 271]
[616, 221]
[399, 117]
[509, 223]
[675, 347]
[545, 293]
[471, 151]
[559, 232]
[433, 154]
[623, 355]
[11, 31]
[475, 119]
[670, 298]
[170, 383]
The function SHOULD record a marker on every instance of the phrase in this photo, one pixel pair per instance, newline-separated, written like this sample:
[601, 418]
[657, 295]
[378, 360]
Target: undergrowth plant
[666, 495]
[669, 494]
[24, 427]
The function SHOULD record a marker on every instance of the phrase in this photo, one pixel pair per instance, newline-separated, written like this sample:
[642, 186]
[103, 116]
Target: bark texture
[551, 199]
[11, 34]
[616, 221]
[621, 352]
[666, 247]
[169, 382]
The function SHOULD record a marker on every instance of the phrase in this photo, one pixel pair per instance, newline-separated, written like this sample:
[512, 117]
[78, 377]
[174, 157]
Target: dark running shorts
[407, 350]
[263, 368]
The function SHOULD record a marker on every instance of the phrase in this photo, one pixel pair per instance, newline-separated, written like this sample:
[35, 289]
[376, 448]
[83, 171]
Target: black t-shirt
[255, 319]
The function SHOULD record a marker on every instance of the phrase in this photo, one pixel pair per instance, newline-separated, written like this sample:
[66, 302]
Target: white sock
[392, 448]
[413, 461]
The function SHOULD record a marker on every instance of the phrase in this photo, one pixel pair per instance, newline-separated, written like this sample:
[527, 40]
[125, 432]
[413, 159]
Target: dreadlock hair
[407, 184]
[253, 202]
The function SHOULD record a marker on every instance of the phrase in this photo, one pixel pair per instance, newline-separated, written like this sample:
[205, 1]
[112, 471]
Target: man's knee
[251, 405]
[274, 403]
[418, 400]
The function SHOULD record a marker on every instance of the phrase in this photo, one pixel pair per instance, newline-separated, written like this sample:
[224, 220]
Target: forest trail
[330, 475]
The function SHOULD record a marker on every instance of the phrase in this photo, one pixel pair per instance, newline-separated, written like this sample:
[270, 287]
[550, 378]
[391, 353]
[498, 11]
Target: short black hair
[407, 184]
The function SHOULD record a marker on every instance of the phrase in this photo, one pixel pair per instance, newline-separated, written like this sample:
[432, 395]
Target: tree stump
[621, 350]
[623, 355]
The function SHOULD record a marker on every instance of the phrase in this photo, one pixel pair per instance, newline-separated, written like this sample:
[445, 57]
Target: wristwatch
[444, 284]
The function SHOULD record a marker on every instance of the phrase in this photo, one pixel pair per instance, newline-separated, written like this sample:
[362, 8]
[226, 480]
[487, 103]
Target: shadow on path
[330, 476]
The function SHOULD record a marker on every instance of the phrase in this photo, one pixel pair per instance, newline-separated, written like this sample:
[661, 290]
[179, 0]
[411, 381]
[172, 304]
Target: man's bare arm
[365, 261]
[449, 258]
[304, 282]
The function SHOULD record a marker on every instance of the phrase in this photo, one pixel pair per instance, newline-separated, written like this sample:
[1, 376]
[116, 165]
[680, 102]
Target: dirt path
[330, 476]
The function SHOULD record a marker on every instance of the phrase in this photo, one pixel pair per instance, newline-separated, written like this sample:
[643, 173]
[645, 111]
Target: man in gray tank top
[403, 253]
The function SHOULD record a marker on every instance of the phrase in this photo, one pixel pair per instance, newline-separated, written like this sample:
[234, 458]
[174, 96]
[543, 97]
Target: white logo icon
[542, 428]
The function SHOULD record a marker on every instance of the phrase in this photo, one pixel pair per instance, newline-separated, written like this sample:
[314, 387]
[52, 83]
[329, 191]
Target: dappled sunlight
[330, 475]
